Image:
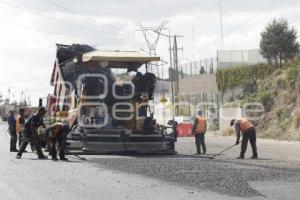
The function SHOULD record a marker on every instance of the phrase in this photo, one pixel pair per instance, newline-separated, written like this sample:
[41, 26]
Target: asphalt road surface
[276, 175]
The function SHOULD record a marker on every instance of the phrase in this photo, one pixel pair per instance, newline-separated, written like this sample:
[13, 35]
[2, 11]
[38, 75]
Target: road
[184, 176]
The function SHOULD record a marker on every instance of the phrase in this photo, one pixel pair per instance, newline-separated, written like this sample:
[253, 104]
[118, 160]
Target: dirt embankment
[282, 119]
[280, 95]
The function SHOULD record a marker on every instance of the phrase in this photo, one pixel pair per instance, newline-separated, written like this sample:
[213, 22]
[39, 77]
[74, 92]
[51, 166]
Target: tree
[279, 42]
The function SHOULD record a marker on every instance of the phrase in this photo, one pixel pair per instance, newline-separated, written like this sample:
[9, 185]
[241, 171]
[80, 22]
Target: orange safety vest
[245, 124]
[56, 130]
[201, 125]
[18, 125]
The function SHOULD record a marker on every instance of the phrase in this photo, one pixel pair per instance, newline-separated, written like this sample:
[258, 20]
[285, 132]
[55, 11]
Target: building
[231, 58]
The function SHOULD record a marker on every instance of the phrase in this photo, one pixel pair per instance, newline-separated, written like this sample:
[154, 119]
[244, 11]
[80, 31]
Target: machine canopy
[118, 59]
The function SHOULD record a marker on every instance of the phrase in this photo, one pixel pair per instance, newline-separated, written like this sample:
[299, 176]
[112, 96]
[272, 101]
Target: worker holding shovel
[245, 126]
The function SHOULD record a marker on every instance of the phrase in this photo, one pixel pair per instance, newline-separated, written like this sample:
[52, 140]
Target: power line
[221, 24]
[50, 32]
[225, 8]
[273, 4]
[205, 19]
[79, 14]
[213, 8]
[52, 18]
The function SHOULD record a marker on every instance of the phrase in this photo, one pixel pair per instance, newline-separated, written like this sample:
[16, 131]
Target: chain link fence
[204, 66]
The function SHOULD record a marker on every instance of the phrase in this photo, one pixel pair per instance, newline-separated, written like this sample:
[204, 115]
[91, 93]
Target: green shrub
[264, 97]
[292, 74]
[281, 83]
[229, 78]
[248, 98]
[232, 105]
[277, 72]
[250, 87]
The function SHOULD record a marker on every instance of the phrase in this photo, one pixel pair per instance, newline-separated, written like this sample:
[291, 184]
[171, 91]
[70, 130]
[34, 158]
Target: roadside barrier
[185, 130]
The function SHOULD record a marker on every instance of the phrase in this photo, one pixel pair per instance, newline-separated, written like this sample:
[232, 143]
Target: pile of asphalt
[230, 178]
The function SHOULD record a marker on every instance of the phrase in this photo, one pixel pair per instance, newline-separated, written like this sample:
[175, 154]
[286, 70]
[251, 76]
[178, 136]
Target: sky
[31, 28]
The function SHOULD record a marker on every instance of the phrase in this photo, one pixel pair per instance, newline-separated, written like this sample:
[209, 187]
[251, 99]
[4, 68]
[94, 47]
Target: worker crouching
[30, 133]
[245, 126]
[56, 135]
[199, 130]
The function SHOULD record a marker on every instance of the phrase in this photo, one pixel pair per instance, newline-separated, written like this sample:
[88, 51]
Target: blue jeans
[13, 139]
[200, 141]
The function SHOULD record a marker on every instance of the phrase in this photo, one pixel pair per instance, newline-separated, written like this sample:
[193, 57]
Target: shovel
[212, 157]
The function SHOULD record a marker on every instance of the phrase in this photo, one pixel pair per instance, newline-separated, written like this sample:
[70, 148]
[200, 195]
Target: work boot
[54, 159]
[63, 159]
[18, 156]
[240, 157]
[204, 150]
[14, 150]
[42, 157]
[254, 157]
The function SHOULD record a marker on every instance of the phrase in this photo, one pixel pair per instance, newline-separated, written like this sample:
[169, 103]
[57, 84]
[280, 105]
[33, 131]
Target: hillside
[277, 89]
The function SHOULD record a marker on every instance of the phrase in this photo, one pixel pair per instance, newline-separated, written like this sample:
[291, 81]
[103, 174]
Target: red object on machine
[51, 104]
[185, 130]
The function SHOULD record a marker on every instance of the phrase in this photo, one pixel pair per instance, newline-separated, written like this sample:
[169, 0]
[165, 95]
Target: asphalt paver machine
[105, 96]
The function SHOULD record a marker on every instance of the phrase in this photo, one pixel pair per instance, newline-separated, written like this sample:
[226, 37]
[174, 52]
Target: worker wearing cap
[57, 133]
[12, 131]
[245, 126]
[30, 133]
[199, 130]
[20, 121]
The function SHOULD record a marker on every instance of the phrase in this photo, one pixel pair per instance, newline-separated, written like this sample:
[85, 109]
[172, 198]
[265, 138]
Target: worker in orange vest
[245, 126]
[199, 130]
[57, 133]
[20, 121]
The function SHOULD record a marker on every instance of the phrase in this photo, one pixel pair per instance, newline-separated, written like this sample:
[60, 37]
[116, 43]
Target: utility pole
[173, 64]
[172, 85]
[221, 23]
[191, 63]
[176, 64]
[193, 41]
